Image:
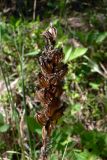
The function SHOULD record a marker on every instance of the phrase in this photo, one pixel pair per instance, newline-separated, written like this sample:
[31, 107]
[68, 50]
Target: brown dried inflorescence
[50, 82]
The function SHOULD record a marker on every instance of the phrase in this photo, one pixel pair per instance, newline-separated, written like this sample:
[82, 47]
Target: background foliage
[81, 133]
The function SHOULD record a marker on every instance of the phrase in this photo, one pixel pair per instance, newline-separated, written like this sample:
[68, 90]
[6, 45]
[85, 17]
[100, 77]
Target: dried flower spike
[50, 87]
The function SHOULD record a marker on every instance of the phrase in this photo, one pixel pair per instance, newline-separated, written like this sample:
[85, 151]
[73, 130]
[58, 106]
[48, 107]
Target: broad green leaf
[78, 52]
[74, 53]
[33, 53]
[4, 128]
[101, 37]
[68, 54]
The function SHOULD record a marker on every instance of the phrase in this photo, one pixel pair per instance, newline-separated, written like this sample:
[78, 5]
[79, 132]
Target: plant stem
[34, 9]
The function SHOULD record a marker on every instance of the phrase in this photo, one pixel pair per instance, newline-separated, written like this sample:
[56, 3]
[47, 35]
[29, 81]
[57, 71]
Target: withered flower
[50, 82]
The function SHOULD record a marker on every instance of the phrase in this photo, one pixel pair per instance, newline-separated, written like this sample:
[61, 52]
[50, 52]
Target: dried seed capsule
[56, 90]
[50, 36]
[52, 107]
[58, 113]
[50, 87]
[44, 96]
[53, 32]
[41, 118]
[46, 65]
[55, 56]
[62, 72]
[43, 81]
[46, 81]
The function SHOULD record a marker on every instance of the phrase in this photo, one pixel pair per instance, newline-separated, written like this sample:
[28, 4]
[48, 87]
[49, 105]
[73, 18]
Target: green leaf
[75, 53]
[101, 37]
[1, 119]
[4, 128]
[66, 141]
[85, 155]
[68, 54]
[53, 157]
[18, 22]
[91, 37]
[93, 65]
[33, 53]
[78, 52]
[94, 85]
[75, 108]
[33, 125]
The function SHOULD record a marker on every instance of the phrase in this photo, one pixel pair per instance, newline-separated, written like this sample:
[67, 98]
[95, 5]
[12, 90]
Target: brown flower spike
[50, 82]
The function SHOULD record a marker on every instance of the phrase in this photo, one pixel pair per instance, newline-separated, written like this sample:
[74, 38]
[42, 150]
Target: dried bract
[50, 82]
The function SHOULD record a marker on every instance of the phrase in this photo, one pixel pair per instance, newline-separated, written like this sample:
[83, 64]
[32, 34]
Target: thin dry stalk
[34, 9]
